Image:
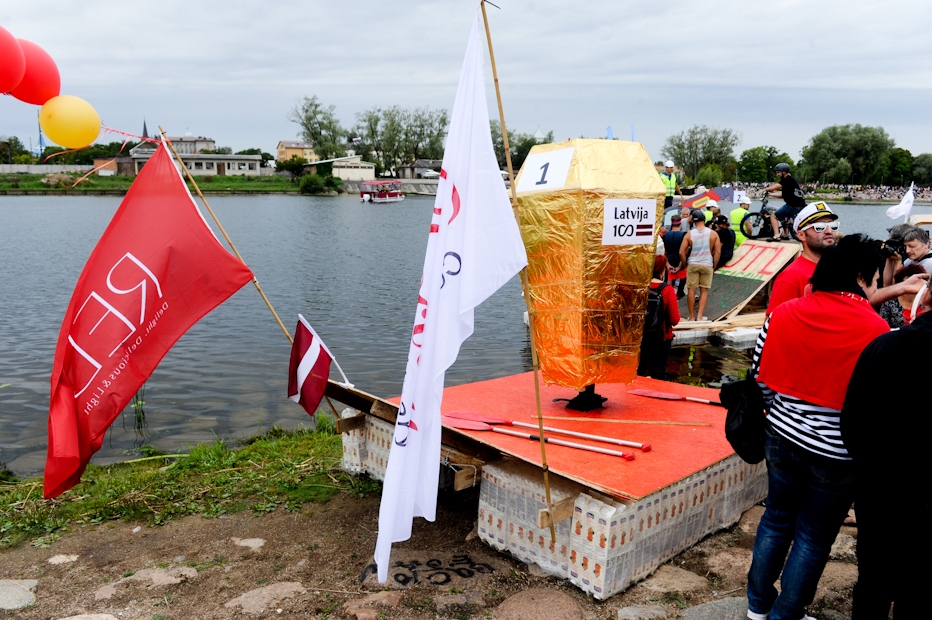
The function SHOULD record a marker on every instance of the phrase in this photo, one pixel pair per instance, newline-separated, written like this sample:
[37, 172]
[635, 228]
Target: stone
[91, 617]
[673, 579]
[473, 597]
[178, 559]
[539, 603]
[17, 593]
[732, 564]
[105, 593]
[253, 543]
[364, 608]
[843, 548]
[722, 609]
[162, 576]
[62, 559]
[751, 519]
[256, 601]
[537, 571]
[642, 612]
[831, 614]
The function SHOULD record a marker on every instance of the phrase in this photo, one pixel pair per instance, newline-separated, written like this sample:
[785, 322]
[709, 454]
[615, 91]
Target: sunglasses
[820, 227]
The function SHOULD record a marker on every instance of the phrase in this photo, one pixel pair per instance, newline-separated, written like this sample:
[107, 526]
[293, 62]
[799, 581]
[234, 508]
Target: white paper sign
[629, 221]
[545, 170]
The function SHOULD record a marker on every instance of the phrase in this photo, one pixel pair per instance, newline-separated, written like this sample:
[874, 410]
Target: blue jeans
[807, 500]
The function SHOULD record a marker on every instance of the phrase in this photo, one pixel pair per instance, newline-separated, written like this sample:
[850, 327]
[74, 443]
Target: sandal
[774, 239]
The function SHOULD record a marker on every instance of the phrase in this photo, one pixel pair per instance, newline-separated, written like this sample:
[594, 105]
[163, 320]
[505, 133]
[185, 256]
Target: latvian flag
[644, 230]
[309, 368]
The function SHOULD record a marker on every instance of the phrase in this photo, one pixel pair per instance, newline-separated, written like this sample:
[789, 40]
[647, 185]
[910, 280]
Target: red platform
[677, 450]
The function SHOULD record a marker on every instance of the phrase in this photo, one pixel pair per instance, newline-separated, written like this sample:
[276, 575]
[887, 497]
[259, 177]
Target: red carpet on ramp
[677, 451]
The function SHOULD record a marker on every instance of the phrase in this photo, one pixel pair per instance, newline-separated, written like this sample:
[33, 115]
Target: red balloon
[12, 61]
[41, 81]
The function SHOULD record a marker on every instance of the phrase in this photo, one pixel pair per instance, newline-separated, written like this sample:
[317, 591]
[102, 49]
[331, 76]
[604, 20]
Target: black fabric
[671, 246]
[727, 237]
[655, 316]
[745, 421]
[792, 193]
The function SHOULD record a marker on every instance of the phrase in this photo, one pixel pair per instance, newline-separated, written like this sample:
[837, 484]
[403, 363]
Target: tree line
[849, 154]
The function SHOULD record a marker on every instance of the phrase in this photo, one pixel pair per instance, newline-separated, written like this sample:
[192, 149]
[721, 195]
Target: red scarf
[813, 343]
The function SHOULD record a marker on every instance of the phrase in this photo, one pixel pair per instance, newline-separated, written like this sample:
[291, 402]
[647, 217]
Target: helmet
[711, 203]
[745, 200]
[782, 167]
[668, 163]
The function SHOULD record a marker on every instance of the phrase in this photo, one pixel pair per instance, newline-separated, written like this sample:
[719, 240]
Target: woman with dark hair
[662, 314]
[722, 226]
[803, 361]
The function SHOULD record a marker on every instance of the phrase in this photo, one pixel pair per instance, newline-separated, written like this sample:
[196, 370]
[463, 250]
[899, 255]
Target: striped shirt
[701, 253]
[815, 428]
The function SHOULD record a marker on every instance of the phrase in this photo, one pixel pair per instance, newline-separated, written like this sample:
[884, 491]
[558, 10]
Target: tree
[757, 164]
[395, 136]
[519, 144]
[220, 150]
[901, 166]
[922, 169]
[295, 166]
[320, 127]
[10, 147]
[266, 157]
[865, 151]
[709, 175]
[700, 145]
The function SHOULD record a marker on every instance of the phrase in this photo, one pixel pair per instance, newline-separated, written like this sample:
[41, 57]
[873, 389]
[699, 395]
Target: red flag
[155, 272]
[309, 368]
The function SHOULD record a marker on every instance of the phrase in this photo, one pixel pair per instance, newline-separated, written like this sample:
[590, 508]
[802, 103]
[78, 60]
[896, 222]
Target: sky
[776, 72]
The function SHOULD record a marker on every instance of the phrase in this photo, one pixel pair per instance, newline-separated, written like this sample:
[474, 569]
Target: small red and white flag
[309, 369]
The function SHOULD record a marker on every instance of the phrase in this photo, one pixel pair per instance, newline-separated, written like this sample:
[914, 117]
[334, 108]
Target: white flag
[473, 248]
[905, 205]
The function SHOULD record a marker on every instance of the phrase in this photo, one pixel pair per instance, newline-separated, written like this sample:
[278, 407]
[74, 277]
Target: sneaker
[753, 615]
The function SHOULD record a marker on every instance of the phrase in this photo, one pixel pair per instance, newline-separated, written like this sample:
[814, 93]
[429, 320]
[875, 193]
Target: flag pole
[225, 235]
[525, 285]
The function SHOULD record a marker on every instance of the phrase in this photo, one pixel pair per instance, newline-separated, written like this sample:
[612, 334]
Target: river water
[351, 269]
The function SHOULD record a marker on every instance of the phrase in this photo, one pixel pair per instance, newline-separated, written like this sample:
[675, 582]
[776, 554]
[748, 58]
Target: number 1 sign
[547, 170]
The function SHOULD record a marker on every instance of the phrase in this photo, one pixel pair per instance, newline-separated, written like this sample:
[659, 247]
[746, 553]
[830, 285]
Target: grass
[121, 183]
[277, 470]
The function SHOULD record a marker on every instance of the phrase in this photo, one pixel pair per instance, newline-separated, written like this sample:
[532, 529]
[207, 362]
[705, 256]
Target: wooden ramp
[754, 265]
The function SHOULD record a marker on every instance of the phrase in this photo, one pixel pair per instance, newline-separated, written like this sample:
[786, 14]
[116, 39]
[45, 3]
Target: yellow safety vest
[669, 182]
[736, 216]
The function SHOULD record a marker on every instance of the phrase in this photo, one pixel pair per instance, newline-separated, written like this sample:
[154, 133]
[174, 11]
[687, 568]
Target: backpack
[655, 317]
[744, 422]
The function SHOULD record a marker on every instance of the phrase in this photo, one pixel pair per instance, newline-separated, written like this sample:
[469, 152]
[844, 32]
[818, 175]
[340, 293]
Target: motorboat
[381, 191]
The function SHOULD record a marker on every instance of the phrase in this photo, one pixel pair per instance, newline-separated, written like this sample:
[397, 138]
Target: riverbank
[275, 526]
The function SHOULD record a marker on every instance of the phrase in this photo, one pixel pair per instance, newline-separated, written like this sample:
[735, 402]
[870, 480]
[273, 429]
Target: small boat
[381, 191]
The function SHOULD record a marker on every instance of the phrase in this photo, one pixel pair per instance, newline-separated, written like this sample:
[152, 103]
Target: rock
[642, 612]
[178, 559]
[473, 597]
[302, 562]
[91, 617]
[104, 593]
[474, 533]
[62, 559]
[17, 593]
[256, 601]
[843, 548]
[732, 564]
[537, 571]
[163, 577]
[364, 608]
[723, 609]
[539, 603]
[751, 519]
[253, 543]
[831, 614]
[672, 579]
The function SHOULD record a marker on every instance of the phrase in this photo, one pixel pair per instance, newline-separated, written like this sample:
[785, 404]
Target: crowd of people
[843, 403]
[837, 191]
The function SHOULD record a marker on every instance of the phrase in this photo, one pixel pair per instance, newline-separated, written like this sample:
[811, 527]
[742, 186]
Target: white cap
[711, 204]
[668, 163]
[811, 213]
[745, 200]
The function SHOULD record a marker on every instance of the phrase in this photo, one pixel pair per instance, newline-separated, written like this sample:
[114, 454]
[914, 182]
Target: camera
[891, 246]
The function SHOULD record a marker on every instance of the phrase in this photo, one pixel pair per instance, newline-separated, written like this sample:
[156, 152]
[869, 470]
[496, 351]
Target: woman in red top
[662, 314]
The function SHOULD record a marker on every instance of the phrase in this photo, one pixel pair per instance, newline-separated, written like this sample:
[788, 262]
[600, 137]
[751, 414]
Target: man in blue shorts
[793, 197]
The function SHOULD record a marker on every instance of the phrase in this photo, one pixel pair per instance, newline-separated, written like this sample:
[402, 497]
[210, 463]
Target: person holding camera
[918, 251]
[803, 360]
[886, 432]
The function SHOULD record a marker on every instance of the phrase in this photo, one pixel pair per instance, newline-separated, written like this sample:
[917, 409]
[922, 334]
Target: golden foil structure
[589, 212]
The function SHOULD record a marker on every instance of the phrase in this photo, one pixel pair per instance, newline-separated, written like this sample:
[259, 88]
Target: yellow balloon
[69, 121]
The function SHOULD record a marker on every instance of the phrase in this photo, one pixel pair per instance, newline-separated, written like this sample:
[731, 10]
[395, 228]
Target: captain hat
[668, 163]
[812, 212]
